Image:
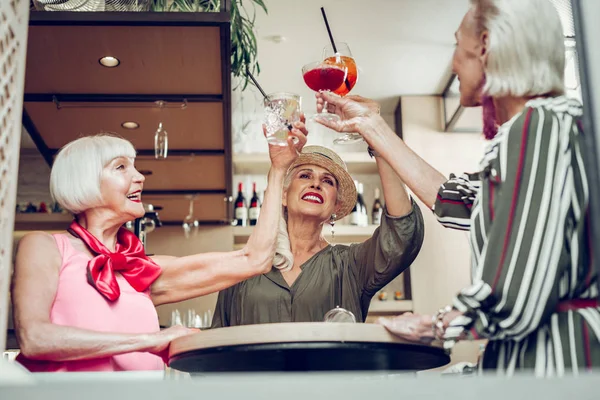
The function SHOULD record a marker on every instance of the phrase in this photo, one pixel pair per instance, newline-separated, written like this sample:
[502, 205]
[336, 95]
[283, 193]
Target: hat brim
[346, 188]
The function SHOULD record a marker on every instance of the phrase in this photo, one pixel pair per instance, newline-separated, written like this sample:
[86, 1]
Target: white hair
[526, 51]
[77, 170]
[284, 259]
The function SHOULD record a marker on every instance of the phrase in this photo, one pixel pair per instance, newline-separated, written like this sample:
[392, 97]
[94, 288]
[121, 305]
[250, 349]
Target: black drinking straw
[346, 81]
[257, 85]
[328, 30]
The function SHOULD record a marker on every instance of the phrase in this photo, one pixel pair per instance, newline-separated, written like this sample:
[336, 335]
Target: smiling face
[312, 193]
[121, 188]
[468, 61]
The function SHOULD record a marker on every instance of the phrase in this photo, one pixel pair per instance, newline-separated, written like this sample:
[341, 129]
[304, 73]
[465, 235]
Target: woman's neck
[508, 106]
[305, 236]
[101, 226]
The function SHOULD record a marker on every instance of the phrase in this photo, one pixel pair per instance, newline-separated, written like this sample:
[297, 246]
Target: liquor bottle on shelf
[240, 208]
[364, 219]
[254, 210]
[355, 215]
[377, 209]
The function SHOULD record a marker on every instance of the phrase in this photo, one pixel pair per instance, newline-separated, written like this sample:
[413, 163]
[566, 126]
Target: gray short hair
[77, 170]
[526, 47]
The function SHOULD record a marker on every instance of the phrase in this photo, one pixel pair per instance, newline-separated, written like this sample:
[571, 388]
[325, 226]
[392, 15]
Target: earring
[332, 223]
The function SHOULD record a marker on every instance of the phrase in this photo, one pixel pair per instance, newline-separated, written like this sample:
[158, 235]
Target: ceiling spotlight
[130, 125]
[109, 62]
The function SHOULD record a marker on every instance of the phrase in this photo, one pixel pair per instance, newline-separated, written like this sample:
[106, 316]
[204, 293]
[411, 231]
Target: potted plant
[244, 47]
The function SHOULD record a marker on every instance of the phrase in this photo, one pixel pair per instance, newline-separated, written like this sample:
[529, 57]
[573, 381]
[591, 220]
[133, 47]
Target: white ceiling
[402, 47]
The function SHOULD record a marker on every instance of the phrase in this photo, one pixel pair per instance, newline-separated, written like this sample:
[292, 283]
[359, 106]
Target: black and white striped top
[532, 264]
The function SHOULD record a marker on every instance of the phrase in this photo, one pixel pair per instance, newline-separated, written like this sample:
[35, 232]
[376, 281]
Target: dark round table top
[313, 346]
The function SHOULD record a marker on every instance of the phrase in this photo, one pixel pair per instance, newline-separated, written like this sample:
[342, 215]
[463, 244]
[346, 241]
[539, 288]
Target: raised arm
[200, 274]
[397, 200]
[34, 286]
[362, 116]
[395, 244]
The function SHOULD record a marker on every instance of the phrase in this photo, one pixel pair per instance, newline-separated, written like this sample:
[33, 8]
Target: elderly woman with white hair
[84, 300]
[312, 277]
[534, 290]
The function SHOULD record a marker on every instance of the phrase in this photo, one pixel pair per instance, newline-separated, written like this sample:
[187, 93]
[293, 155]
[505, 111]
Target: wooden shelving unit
[42, 222]
[83, 97]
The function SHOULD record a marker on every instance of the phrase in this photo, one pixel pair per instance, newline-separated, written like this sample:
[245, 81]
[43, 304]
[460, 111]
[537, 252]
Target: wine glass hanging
[161, 138]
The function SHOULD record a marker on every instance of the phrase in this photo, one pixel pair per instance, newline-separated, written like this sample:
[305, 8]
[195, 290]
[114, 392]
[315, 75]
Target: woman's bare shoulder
[38, 242]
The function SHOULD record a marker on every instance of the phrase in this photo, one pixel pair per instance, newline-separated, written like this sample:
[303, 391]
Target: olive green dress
[345, 276]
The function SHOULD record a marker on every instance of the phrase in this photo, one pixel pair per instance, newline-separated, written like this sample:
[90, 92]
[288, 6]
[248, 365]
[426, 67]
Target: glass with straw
[281, 111]
[334, 54]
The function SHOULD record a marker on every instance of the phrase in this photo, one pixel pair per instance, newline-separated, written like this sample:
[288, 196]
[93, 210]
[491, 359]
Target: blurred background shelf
[259, 163]
[390, 306]
[42, 221]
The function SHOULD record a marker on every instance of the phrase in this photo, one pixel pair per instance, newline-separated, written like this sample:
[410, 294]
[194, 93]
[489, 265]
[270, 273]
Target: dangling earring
[332, 223]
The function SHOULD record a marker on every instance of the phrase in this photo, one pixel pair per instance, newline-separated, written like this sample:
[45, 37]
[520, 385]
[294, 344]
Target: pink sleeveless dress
[79, 305]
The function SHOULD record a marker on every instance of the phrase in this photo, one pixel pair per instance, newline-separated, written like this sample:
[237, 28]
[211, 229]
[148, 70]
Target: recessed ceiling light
[130, 125]
[109, 62]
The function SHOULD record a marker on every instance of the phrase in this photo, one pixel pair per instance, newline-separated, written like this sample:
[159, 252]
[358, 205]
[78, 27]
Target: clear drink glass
[339, 314]
[281, 111]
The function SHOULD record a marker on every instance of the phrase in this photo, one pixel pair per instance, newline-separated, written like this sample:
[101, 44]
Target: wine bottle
[364, 219]
[240, 208]
[377, 210]
[355, 215]
[254, 210]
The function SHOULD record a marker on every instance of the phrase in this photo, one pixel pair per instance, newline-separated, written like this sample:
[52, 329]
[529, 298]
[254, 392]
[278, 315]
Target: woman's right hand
[160, 341]
[283, 156]
[356, 112]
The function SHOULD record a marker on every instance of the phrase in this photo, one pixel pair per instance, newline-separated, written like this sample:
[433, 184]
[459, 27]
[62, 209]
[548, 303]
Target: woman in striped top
[534, 291]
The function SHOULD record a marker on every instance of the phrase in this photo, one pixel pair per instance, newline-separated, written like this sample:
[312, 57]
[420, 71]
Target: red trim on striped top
[474, 334]
[442, 200]
[515, 196]
[578, 123]
[586, 345]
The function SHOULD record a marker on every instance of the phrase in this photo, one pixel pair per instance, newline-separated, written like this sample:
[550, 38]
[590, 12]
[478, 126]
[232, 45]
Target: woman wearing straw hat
[534, 291]
[311, 276]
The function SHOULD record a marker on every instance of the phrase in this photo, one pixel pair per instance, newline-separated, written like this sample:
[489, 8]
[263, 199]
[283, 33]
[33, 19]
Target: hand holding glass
[281, 111]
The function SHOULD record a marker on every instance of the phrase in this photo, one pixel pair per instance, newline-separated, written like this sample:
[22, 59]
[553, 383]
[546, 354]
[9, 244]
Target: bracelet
[372, 152]
[437, 323]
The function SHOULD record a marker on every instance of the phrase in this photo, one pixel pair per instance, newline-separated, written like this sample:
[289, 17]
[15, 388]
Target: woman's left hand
[283, 156]
[409, 326]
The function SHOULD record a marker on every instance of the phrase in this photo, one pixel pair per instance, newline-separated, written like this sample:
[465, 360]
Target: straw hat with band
[328, 159]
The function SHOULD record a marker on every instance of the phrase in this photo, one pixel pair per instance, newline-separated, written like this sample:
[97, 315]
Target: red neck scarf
[129, 259]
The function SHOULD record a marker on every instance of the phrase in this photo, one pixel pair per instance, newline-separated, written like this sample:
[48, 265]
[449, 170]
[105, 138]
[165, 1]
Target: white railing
[14, 20]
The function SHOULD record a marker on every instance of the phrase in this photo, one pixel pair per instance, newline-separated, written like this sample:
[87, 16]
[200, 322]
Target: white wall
[443, 265]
